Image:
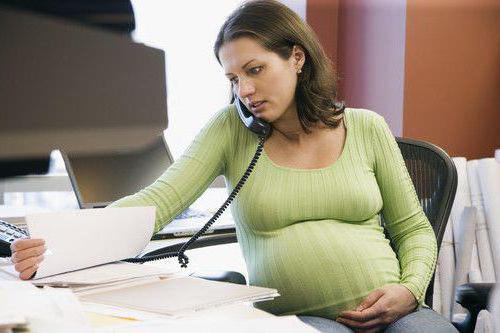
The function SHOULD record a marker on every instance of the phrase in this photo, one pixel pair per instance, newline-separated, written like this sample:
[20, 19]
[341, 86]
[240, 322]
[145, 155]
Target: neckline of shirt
[337, 161]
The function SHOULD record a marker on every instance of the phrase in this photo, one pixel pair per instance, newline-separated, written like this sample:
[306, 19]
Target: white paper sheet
[474, 271]
[436, 295]
[86, 238]
[489, 180]
[467, 225]
[122, 313]
[179, 295]
[447, 270]
[484, 322]
[44, 308]
[113, 272]
[482, 238]
[495, 305]
[462, 197]
[462, 200]
[112, 275]
[475, 276]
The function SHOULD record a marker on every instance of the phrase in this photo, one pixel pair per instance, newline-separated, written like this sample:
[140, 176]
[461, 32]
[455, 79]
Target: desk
[221, 257]
[230, 314]
[229, 258]
[223, 320]
[221, 313]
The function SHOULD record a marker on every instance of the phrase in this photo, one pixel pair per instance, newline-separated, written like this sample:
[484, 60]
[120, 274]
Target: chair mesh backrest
[435, 179]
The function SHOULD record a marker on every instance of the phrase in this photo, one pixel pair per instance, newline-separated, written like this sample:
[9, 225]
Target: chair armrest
[221, 276]
[474, 297]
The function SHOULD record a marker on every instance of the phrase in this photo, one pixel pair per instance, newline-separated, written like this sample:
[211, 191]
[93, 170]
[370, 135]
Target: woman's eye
[255, 70]
[233, 80]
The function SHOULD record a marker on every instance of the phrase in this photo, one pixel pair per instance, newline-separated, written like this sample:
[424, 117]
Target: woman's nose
[245, 89]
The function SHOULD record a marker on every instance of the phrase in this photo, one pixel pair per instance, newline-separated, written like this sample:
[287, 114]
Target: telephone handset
[254, 124]
[263, 130]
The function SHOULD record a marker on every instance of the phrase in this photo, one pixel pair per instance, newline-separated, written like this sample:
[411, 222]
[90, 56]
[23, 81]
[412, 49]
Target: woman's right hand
[27, 254]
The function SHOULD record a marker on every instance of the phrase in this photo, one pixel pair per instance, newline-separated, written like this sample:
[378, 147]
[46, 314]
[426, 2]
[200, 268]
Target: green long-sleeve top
[313, 234]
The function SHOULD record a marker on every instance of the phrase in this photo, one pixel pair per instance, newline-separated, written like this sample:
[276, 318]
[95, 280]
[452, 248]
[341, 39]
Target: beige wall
[371, 52]
[365, 39]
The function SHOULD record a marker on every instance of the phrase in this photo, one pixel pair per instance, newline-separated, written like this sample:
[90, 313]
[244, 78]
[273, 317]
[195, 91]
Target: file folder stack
[117, 274]
[106, 275]
[178, 296]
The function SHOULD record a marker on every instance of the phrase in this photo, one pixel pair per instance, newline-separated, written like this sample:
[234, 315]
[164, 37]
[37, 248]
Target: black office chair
[435, 179]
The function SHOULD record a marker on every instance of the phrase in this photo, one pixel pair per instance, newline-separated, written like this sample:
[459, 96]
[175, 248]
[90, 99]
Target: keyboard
[191, 220]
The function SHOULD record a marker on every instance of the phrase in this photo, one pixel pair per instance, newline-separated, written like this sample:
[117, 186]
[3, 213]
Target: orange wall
[452, 77]
[451, 70]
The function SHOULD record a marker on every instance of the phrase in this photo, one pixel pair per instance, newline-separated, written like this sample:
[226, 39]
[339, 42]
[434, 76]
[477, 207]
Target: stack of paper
[105, 274]
[482, 229]
[179, 296]
[103, 277]
[489, 180]
[43, 310]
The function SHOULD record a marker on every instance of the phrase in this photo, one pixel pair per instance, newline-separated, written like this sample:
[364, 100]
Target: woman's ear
[299, 57]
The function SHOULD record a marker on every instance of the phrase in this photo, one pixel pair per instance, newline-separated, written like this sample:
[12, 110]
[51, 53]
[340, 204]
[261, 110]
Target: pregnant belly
[322, 267]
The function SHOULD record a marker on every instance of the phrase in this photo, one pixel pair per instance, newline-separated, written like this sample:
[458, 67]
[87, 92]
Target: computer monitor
[64, 85]
[99, 179]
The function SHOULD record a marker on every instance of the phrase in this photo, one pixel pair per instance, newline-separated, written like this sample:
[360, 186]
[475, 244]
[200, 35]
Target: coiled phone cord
[183, 259]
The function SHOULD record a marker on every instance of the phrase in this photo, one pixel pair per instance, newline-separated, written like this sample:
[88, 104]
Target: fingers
[371, 319]
[28, 264]
[22, 244]
[371, 330]
[368, 314]
[367, 325]
[28, 273]
[370, 299]
[21, 255]
[27, 255]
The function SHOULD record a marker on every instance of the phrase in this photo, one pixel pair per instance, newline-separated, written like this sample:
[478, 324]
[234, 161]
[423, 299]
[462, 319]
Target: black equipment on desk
[8, 234]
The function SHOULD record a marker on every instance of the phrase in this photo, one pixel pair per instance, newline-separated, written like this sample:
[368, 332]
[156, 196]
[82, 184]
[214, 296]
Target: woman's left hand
[380, 308]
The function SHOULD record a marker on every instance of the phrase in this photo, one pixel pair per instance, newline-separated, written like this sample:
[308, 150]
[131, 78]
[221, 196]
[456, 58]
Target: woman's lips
[258, 107]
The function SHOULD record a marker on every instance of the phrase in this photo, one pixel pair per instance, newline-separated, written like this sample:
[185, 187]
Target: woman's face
[261, 78]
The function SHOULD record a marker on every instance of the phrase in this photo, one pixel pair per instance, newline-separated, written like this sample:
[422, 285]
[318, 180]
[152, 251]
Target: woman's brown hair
[278, 28]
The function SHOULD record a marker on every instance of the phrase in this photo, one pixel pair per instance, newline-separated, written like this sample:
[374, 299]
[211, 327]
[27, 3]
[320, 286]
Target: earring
[299, 71]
